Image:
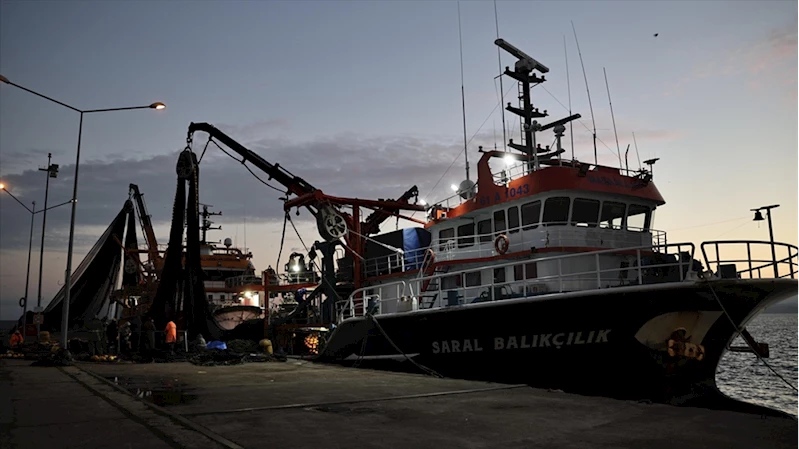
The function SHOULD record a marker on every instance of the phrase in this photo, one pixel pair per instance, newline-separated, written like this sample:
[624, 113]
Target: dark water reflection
[741, 376]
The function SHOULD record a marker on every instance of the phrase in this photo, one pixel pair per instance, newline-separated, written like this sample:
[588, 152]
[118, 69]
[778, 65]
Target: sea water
[742, 376]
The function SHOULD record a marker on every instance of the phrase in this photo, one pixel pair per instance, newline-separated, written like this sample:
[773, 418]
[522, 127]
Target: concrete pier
[301, 404]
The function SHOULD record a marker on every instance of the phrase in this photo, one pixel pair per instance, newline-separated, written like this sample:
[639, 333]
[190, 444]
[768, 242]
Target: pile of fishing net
[225, 357]
[60, 357]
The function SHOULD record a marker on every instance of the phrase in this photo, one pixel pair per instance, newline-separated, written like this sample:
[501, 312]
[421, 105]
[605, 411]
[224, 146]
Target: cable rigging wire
[243, 162]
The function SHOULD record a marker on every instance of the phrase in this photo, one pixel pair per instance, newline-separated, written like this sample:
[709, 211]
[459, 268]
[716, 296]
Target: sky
[363, 99]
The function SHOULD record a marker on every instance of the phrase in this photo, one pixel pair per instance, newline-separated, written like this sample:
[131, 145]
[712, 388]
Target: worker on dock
[95, 327]
[16, 339]
[112, 336]
[171, 332]
[124, 337]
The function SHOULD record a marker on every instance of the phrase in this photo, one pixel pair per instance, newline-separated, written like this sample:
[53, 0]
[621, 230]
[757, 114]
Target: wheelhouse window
[499, 221]
[466, 235]
[612, 215]
[585, 212]
[484, 229]
[513, 219]
[638, 217]
[556, 211]
[531, 215]
[444, 236]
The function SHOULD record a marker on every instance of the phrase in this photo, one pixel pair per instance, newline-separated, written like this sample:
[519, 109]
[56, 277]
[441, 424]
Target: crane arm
[294, 184]
[372, 223]
[146, 224]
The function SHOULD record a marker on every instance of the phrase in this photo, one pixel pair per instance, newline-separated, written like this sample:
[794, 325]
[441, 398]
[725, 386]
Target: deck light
[454, 188]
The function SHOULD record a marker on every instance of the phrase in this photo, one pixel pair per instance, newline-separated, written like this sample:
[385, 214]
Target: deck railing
[521, 238]
[757, 259]
[610, 268]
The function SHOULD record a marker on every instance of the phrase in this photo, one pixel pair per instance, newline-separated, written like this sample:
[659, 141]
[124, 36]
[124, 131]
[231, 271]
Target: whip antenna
[590, 106]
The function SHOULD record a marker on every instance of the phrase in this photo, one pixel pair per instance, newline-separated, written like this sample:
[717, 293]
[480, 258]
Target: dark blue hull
[612, 342]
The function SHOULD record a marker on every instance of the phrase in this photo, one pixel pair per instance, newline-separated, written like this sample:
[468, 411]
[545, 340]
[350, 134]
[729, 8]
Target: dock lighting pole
[24, 299]
[74, 201]
[52, 172]
[759, 217]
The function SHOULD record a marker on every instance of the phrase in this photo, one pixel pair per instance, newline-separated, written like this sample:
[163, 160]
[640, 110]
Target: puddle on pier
[158, 396]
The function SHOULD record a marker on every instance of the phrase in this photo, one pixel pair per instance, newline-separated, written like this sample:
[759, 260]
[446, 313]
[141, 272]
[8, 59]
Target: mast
[523, 73]
[206, 223]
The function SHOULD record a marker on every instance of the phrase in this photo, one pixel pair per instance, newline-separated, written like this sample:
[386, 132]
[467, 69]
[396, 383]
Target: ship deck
[303, 404]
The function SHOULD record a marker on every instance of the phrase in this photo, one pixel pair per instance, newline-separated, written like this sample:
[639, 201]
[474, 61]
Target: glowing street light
[74, 201]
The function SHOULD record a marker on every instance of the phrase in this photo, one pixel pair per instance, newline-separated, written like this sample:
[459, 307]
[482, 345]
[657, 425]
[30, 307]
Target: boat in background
[234, 290]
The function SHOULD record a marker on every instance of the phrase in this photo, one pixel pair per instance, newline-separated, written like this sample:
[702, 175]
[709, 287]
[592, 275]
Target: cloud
[759, 62]
[346, 165]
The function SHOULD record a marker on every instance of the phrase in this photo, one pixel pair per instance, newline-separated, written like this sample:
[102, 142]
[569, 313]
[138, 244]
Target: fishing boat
[545, 270]
[551, 271]
[233, 289]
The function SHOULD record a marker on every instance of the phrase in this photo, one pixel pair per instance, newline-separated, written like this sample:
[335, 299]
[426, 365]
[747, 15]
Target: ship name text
[550, 340]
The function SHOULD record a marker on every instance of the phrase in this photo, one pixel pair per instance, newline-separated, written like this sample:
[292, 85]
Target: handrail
[792, 260]
[641, 269]
[395, 262]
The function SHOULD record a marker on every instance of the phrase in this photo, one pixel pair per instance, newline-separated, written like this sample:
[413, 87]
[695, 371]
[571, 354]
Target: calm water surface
[741, 376]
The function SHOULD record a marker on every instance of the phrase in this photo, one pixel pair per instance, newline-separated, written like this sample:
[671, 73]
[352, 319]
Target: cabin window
[638, 217]
[499, 221]
[444, 236]
[612, 215]
[585, 212]
[531, 215]
[519, 271]
[474, 279]
[466, 235]
[484, 229]
[513, 219]
[556, 211]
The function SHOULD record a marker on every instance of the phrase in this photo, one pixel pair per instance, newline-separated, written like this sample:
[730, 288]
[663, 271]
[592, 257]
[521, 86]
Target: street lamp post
[68, 273]
[24, 299]
[759, 217]
[52, 172]
[33, 212]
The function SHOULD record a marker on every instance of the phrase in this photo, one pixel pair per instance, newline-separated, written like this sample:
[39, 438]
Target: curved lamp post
[74, 201]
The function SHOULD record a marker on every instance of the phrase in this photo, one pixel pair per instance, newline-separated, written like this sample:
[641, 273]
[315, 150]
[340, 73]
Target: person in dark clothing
[112, 333]
[148, 329]
[135, 333]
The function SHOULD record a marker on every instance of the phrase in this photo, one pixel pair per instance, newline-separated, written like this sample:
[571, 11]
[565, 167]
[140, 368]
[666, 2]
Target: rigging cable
[282, 240]
[244, 163]
[459, 153]
[739, 331]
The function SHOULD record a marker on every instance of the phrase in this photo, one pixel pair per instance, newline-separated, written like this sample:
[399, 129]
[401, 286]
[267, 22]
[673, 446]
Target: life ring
[501, 244]
[23, 302]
